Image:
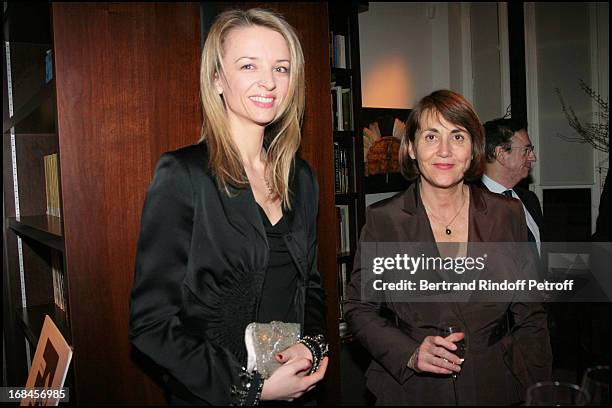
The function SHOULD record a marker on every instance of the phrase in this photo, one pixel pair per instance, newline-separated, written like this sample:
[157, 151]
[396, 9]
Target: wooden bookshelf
[140, 64]
[45, 229]
[343, 22]
[125, 89]
[32, 318]
[25, 119]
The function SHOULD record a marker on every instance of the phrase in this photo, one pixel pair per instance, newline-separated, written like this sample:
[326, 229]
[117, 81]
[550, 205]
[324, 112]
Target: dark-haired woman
[413, 364]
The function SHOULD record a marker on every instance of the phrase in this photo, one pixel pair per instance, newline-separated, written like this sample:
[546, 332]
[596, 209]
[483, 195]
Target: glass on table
[555, 393]
[596, 382]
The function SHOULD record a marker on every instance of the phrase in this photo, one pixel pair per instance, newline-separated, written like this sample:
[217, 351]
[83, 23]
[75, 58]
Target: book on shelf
[346, 247]
[334, 105]
[49, 367]
[340, 42]
[341, 169]
[338, 50]
[338, 231]
[48, 66]
[342, 211]
[347, 109]
[341, 288]
[345, 171]
[337, 108]
[52, 185]
[343, 279]
[342, 107]
[59, 285]
[336, 167]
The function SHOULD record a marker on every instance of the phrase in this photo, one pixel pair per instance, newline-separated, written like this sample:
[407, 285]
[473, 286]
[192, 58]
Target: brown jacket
[493, 373]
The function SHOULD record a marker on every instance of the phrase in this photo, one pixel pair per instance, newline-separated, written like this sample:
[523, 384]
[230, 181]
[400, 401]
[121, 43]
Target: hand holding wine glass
[439, 354]
[451, 332]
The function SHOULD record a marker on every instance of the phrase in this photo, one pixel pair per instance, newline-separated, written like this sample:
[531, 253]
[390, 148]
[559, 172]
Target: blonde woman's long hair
[281, 137]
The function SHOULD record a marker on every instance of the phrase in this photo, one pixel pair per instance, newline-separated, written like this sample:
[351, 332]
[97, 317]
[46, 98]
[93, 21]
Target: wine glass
[596, 381]
[447, 328]
[555, 393]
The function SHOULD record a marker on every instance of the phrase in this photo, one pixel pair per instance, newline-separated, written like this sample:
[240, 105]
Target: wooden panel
[311, 23]
[127, 90]
[45, 229]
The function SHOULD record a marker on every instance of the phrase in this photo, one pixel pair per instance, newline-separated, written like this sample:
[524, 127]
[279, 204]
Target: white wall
[565, 42]
[563, 58]
[404, 52]
[486, 69]
[408, 50]
[456, 47]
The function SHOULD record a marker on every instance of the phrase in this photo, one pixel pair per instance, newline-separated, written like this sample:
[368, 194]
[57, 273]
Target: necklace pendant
[448, 231]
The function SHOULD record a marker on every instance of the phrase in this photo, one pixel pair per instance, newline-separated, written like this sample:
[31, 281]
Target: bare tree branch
[594, 134]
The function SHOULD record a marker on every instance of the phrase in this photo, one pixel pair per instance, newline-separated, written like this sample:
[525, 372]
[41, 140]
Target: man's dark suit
[531, 202]
[494, 373]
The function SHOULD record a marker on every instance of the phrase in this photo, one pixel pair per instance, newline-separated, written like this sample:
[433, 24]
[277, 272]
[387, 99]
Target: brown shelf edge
[342, 71]
[344, 257]
[344, 136]
[346, 198]
[33, 231]
[46, 91]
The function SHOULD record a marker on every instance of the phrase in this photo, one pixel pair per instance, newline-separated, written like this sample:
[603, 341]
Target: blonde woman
[228, 227]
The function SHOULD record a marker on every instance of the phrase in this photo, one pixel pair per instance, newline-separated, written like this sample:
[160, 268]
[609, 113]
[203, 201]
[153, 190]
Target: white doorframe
[531, 67]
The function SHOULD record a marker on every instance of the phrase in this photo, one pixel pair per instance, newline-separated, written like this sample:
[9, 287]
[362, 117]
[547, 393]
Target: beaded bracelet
[318, 348]
[249, 390]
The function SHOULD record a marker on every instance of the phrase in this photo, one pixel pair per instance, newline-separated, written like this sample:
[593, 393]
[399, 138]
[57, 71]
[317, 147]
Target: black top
[280, 282]
[201, 261]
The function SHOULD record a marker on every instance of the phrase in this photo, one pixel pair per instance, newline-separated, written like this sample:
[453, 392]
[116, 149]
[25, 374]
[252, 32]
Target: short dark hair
[498, 132]
[457, 110]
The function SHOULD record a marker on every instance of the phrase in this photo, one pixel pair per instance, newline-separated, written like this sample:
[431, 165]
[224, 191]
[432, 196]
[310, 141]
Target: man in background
[509, 155]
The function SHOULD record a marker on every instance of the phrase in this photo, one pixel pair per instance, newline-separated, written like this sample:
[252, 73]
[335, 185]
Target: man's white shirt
[495, 187]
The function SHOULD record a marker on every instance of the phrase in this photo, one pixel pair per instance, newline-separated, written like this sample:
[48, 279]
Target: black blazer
[531, 202]
[200, 265]
[495, 372]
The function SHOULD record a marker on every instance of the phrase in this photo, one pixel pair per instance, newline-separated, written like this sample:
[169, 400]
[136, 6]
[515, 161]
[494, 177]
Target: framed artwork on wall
[49, 368]
[382, 130]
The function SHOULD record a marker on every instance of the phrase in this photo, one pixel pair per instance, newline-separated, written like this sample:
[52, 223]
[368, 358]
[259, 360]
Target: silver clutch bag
[265, 340]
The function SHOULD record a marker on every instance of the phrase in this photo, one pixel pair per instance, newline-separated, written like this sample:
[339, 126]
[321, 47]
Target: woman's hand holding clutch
[298, 350]
[289, 382]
